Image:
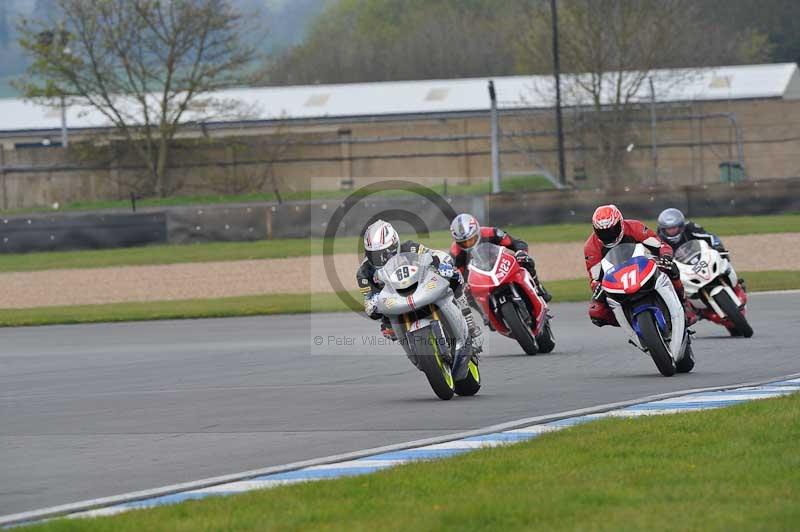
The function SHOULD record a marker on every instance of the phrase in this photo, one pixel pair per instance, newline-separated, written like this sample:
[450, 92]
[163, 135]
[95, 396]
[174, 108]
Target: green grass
[735, 468]
[181, 309]
[527, 183]
[266, 249]
[563, 291]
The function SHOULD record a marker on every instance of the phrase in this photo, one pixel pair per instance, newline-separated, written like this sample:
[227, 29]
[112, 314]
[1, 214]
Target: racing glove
[388, 332]
[523, 257]
[371, 305]
[666, 264]
[446, 270]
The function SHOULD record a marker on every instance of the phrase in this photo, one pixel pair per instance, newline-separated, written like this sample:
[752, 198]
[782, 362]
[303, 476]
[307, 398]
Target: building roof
[772, 81]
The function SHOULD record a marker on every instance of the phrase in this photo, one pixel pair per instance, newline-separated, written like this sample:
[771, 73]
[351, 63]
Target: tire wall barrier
[260, 221]
[61, 232]
[577, 206]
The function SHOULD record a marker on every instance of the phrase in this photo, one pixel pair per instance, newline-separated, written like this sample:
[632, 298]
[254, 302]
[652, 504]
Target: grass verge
[268, 249]
[563, 291]
[734, 468]
[523, 183]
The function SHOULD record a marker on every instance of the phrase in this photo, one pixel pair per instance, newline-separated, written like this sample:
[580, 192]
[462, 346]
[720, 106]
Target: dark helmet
[671, 224]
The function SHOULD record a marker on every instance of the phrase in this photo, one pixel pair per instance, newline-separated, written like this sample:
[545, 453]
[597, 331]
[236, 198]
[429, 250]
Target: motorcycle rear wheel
[470, 384]
[656, 346]
[522, 333]
[438, 373]
[686, 364]
[547, 340]
[733, 313]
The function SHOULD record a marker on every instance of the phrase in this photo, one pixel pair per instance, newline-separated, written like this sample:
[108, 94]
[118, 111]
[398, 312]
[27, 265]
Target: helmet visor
[468, 243]
[610, 235]
[380, 257]
[673, 231]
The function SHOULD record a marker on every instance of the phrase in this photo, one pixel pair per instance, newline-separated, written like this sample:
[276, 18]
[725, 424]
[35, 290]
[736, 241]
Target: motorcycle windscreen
[621, 254]
[689, 253]
[630, 269]
[402, 271]
[484, 256]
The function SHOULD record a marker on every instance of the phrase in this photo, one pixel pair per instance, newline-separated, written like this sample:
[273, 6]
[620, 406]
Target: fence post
[3, 175]
[653, 137]
[495, 140]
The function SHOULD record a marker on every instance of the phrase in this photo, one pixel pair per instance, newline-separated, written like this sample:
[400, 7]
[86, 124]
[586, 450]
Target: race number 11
[629, 279]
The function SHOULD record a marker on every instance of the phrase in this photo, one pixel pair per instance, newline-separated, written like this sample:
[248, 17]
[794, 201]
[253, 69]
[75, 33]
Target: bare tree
[612, 48]
[146, 65]
[252, 163]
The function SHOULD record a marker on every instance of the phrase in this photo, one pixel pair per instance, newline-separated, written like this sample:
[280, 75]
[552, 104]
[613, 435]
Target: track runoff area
[142, 372]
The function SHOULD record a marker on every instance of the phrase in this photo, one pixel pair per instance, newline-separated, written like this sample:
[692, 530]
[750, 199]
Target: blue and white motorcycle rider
[381, 243]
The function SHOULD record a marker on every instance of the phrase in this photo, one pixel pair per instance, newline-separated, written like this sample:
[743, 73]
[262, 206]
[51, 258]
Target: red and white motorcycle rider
[468, 233]
[610, 229]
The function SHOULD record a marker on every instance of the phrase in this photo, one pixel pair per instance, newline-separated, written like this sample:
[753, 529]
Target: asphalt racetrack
[96, 410]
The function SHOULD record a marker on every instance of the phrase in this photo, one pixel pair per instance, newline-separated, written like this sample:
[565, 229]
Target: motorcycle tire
[437, 372]
[546, 341]
[522, 333]
[656, 346]
[686, 364]
[472, 382]
[733, 313]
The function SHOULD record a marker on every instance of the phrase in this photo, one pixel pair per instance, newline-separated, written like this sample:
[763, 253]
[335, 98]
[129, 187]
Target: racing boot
[541, 290]
[691, 313]
[386, 329]
[741, 283]
[529, 265]
[474, 331]
[688, 309]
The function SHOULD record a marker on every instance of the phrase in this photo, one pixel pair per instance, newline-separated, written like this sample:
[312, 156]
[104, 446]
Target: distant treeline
[380, 40]
[282, 23]
[329, 41]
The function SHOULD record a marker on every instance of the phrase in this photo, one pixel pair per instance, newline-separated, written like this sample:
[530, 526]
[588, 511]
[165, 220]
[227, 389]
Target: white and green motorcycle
[429, 324]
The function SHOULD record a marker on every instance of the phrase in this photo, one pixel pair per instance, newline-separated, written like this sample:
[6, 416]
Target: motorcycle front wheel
[522, 333]
[652, 339]
[436, 369]
[733, 313]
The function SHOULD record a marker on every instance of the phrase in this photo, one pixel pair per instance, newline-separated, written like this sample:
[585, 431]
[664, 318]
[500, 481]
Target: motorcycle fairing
[700, 266]
[428, 288]
[629, 277]
[624, 256]
[503, 272]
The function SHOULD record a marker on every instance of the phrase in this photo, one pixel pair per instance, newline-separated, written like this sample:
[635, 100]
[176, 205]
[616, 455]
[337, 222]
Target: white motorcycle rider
[419, 296]
[712, 286]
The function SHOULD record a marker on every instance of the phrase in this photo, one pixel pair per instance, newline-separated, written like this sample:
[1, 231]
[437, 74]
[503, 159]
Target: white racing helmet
[466, 231]
[381, 243]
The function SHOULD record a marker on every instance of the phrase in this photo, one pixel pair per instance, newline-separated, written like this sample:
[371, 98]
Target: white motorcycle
[712, 286]
[429, 324]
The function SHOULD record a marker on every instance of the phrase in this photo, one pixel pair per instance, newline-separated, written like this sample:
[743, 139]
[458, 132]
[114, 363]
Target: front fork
[678, 338]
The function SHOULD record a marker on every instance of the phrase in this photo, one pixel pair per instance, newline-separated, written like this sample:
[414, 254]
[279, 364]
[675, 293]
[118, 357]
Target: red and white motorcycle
[712, 286]
[507, 297]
